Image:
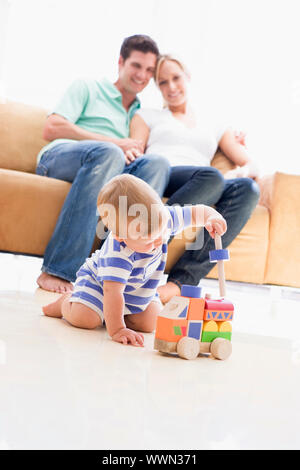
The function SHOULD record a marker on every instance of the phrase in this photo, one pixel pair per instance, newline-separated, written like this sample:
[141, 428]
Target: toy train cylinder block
[219, 255]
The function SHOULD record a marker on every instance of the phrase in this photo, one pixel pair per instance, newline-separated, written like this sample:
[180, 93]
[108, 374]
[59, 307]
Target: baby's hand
[127, 336]
[216, 224]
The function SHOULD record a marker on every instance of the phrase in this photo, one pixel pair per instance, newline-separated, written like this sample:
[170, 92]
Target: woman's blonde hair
[121, 198]
[163, 58]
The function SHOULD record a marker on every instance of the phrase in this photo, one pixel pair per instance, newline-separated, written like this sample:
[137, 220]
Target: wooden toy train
[190, 325]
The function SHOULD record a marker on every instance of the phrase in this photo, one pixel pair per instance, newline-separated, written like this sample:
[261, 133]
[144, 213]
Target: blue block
[194, 330]
[183, 313]
[191, 291]
[217, 255]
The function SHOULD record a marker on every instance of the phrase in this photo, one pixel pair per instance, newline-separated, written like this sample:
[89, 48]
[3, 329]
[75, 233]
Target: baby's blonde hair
[123, 196]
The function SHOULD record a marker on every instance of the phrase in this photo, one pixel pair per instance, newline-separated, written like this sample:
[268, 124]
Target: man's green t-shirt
[95, 106]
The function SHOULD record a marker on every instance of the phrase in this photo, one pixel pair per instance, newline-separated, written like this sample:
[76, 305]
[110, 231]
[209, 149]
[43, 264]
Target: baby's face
[147, 243]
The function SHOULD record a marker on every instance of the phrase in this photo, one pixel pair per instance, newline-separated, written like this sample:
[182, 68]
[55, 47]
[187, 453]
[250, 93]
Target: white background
[243, 56]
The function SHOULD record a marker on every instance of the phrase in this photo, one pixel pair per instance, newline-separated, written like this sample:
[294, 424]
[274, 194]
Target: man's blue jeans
[88, 165]
[235, 199]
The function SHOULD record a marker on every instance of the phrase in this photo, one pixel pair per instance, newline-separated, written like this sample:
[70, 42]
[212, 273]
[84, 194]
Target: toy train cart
[190, 325]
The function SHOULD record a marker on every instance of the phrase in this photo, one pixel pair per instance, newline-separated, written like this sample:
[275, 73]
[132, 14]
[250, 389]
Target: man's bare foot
[54, 284]
[54, 309]
[168, 291]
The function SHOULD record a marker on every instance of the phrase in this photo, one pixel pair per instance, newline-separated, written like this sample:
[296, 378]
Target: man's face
[136, 71]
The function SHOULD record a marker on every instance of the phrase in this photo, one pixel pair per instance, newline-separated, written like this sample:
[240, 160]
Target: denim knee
[212, 173]
[159, 163]
[212, 176]
[106, 152]
[251, 191]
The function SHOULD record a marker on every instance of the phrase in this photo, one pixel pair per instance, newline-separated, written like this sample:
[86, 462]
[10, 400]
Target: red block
[219, 304]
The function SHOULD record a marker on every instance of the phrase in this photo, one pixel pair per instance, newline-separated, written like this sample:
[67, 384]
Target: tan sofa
[266, 251]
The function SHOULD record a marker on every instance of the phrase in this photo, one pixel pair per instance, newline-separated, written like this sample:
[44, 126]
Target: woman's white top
[181, 145]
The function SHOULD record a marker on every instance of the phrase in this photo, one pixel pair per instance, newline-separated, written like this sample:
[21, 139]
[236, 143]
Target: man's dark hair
[138, 42]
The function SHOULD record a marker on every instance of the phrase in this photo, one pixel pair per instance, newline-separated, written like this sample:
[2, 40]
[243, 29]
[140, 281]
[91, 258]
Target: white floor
[66, 388]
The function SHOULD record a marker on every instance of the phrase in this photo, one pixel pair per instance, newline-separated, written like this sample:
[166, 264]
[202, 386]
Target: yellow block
[210, 325]
[225, 326]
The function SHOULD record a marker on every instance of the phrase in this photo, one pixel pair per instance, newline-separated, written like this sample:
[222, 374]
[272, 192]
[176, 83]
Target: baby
[118, 283]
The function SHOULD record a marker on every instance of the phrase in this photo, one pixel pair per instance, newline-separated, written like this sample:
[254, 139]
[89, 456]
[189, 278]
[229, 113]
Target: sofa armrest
[221, 162]
[29, 208]
[284, 248]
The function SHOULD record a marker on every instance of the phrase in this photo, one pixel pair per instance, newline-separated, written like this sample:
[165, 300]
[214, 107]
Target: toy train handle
[220, 263]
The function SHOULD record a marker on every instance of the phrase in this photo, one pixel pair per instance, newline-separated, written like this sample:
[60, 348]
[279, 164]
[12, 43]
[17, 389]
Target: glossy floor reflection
[66, 388]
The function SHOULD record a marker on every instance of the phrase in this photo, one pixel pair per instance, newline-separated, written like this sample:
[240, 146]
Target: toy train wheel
[188, 348]
[221, 348]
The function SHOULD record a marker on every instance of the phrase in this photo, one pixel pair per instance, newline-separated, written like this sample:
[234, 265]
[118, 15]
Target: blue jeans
[235, 199]
[88, 165]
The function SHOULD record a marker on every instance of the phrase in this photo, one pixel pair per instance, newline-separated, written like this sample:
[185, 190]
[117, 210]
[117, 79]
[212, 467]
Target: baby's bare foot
[54, 309]
[54, 284]
[168, 291]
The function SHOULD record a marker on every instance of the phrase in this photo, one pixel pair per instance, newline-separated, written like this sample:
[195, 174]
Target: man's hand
[130, 144]
[132, 149]
[127, 336]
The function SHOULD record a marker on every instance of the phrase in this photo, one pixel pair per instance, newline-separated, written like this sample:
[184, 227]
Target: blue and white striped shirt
[141, 272]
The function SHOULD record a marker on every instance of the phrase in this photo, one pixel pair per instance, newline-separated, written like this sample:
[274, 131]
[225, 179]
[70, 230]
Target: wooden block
[221, 348]
[217, 315]
[196, 309]
[219, 304]
[188, 348]
[177, 307]
[224, 326]
[169, 329]
[205, 347]
[218, 255]
[165, 346]
[210, 325]
[177, 330]
[209, 336]
[195, 329]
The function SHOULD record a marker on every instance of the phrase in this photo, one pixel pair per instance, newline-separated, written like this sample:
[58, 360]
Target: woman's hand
[127, 336]
[240, 137]
[132, 149]
[131, 155]
[246, 171]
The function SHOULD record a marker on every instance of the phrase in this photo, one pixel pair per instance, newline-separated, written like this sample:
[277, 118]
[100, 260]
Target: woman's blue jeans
[235, 199]
[88, 165]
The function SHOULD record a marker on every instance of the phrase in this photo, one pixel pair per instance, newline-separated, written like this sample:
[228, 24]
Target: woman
[175, 132]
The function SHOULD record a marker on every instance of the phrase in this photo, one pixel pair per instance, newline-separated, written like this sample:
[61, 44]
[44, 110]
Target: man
[89, 145]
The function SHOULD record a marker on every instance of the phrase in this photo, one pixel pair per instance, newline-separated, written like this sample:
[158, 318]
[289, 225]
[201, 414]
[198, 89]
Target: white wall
[243, 56]
[4, 20]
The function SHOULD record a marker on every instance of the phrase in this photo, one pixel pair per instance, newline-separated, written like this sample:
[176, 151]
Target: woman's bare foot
[54, 309]
[54, 284]
[168, 291]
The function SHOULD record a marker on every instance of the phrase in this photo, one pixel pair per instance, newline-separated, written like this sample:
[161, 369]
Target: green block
[209, 336]
[177, 330]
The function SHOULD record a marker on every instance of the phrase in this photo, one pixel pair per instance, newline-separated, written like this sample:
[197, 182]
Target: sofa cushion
[284, 253]
[30, 206]
[21, 128]
[251, 246]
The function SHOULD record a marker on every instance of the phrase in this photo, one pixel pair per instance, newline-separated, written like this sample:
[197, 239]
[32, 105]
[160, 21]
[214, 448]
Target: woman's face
[172, 82]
